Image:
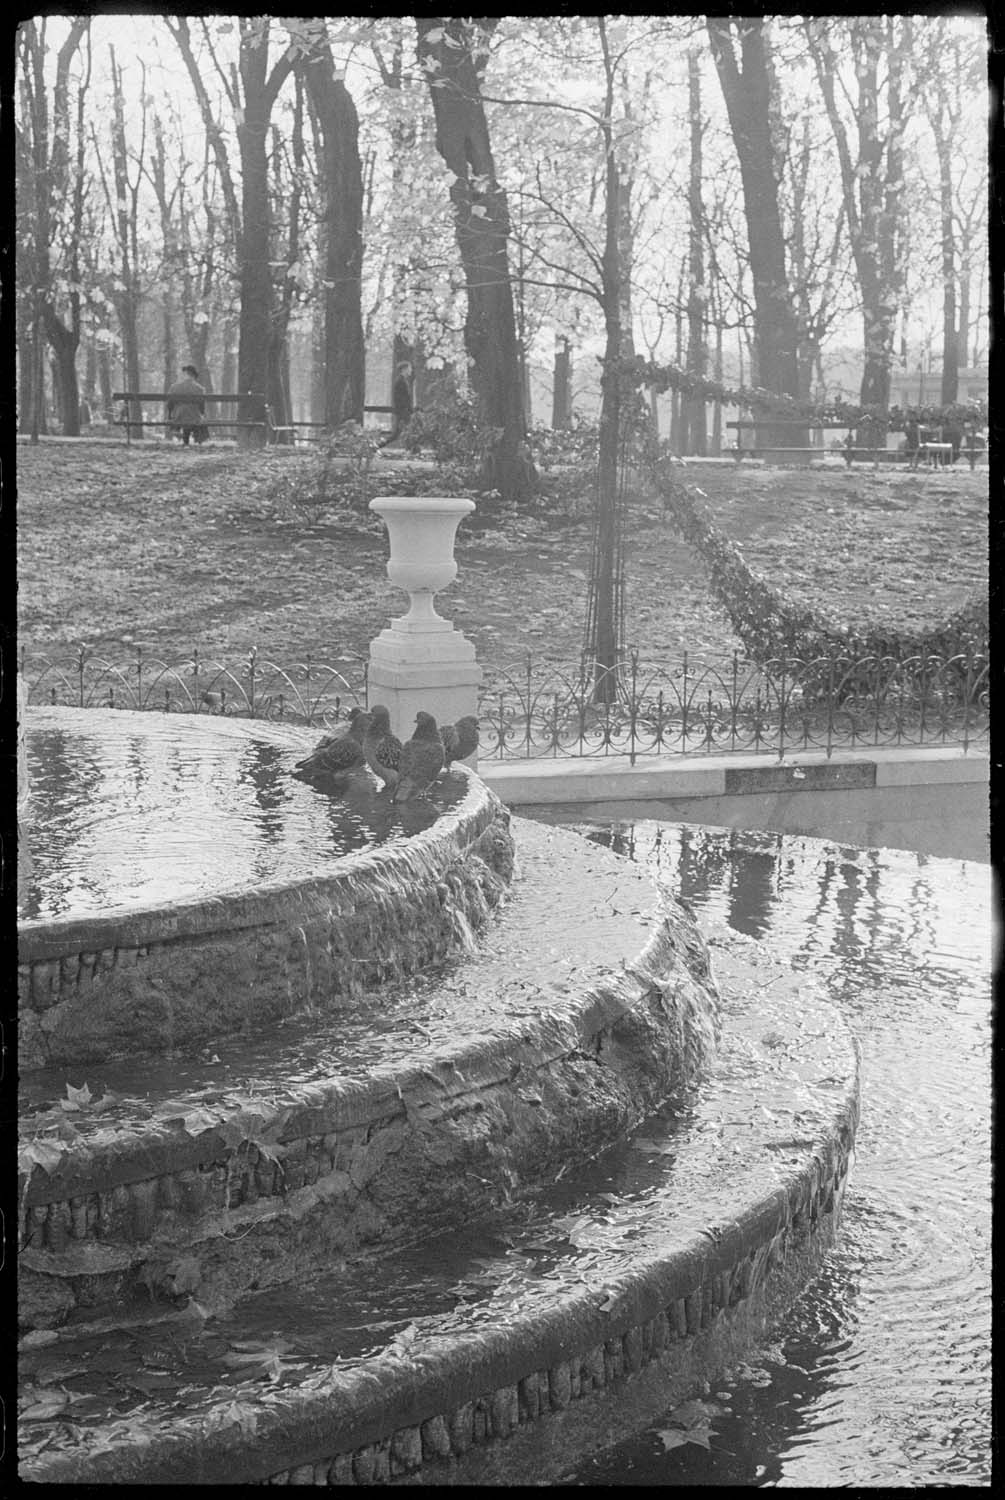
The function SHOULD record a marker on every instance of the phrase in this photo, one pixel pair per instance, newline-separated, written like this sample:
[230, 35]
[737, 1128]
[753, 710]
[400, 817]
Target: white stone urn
[422, 530]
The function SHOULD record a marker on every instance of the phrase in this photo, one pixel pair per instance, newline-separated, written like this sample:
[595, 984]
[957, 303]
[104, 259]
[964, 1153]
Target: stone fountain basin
[589, 1003]
[592, 1318]
[182, 974]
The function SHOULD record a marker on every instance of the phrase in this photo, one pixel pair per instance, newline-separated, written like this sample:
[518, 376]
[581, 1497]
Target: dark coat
[185, 404]
[401, 400]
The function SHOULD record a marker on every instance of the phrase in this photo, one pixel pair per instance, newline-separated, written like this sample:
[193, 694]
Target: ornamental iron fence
[545, 709]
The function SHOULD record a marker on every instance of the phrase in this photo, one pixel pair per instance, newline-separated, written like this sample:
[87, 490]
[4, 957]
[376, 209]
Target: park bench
[129, 423]
[274, 431]
[808, 453]
[321, 428]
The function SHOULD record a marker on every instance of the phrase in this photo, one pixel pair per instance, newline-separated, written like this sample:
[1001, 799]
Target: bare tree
[251, 89]
[51, 197]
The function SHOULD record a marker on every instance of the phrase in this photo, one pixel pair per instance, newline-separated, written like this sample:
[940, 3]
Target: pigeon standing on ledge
[382, 748]
[421, 758]
[459, 740]
[337, 754]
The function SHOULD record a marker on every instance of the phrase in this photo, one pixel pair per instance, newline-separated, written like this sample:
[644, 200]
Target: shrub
[335, 477]
[772, 629]
[450, 428]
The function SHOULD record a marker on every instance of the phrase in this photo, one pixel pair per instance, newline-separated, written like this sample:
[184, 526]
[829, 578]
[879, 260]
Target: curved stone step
[485, 1356]
[466, 1087]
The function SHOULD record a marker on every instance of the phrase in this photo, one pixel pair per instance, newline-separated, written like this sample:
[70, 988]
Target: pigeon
[459, 740]
[329, 739]
[382, 748]
[421, 758]
[337, 754]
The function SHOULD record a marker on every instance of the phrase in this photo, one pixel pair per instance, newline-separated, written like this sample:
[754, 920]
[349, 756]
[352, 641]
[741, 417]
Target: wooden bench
[808, 453]
[129, 423]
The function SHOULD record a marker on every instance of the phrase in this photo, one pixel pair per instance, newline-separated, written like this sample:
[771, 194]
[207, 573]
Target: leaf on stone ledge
[197, 1121]
[48, 1405]
[233, 1415]
[39, 1153]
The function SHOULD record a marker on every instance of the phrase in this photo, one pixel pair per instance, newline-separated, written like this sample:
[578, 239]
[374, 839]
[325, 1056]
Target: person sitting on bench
[186, 407]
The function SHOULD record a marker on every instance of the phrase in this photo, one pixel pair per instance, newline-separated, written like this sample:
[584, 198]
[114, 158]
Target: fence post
[781, 713]
[633, 709]
[684, 704]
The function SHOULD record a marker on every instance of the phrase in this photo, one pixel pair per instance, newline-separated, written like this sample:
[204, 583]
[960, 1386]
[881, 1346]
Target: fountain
[391, 1162]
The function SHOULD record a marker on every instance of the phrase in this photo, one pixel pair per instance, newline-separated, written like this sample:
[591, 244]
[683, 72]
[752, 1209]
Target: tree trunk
[105, 383]
[748, 103]
[335, 111]
[950, 345]
[963, 338]
[717, 409]
[255, 322]
[561, 393]
[481, 222]
[607, 595]
[65, 386]
[124, 214]
[228, 379]
[696, 434]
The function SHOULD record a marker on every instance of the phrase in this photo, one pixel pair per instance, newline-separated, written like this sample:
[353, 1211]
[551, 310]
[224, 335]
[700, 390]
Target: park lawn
[176, 549]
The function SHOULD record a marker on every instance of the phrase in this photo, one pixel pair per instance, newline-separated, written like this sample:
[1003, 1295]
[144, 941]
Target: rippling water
[129, 810]
[881, 1373]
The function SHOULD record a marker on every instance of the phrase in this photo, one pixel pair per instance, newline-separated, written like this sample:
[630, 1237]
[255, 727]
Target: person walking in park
[186, 406]
[401, 400]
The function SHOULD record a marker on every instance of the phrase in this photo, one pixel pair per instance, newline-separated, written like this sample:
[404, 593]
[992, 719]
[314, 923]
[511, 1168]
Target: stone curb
[653, 778]
[452, 832]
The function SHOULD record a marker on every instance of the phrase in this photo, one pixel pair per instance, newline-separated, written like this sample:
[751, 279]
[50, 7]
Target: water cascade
[326, 1120]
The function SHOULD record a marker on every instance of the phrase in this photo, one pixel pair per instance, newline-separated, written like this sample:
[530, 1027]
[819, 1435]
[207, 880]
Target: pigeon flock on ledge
[407, 770]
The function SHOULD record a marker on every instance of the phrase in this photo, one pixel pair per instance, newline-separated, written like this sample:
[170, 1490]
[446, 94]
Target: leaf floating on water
[106, 1102]
[673, 1437]
[75, 1098]
[260, 1359]
[696, 1413]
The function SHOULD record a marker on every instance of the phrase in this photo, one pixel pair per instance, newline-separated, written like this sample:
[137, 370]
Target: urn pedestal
[421, 660]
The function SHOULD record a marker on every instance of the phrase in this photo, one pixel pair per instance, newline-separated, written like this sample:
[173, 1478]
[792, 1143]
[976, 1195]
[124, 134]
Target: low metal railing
[539, 708]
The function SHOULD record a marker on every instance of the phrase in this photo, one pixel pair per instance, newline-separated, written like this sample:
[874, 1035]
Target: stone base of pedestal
[433, 670]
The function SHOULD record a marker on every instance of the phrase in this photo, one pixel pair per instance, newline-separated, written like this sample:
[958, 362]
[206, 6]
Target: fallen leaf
[75, 1098]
